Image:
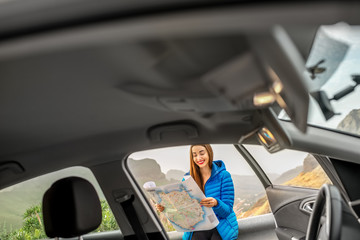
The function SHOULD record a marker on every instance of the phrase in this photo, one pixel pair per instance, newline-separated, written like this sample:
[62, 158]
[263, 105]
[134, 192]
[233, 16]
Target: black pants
[212, 234]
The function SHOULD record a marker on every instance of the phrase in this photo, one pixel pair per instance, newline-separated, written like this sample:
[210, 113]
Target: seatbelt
[126, 203]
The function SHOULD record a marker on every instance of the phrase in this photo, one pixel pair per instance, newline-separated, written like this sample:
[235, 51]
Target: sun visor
[284, 66]
[271, 71]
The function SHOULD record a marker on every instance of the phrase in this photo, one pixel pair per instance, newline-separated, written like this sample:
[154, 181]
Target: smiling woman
[218, 187]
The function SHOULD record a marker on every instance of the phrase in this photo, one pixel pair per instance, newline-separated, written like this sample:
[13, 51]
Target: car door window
[168, 165]
[289, 167]
[20, 206]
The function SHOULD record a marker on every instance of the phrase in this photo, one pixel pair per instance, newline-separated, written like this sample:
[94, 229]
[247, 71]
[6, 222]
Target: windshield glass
[333, 73]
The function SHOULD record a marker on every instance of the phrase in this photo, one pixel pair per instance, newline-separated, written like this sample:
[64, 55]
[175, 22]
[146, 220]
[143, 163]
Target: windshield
[333, 73]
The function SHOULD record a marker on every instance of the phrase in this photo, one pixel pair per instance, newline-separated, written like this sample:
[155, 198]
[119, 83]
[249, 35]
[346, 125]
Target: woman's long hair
[195, 170]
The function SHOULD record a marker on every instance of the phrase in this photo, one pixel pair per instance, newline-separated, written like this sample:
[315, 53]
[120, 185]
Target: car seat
[71, 208]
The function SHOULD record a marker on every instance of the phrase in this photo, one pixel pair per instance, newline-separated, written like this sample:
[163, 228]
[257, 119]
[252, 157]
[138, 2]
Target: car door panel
[291, 207]
[257, 228]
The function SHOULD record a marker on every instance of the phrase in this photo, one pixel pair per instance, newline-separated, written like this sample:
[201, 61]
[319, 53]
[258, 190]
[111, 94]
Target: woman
[218, 187]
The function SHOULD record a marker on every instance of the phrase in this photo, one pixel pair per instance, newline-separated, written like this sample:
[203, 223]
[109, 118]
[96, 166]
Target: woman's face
[200, 156]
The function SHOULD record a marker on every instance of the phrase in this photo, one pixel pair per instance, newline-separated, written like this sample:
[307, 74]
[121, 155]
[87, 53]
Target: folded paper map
[182, 207]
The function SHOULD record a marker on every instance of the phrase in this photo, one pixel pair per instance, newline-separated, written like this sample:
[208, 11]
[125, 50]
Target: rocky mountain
[176, 175]
[351, 123]
[147, 169]
[286, 176]
[309, 164]
[259, 208]
[314, 179]
[246, 186]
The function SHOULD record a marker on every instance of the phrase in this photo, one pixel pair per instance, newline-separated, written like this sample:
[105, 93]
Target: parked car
[115, 92]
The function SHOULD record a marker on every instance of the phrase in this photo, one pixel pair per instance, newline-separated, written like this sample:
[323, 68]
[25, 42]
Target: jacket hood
[217, 167]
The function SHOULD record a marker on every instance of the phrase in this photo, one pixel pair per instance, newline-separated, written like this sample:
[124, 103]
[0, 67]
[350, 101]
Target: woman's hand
[159, 207]
[209, 202]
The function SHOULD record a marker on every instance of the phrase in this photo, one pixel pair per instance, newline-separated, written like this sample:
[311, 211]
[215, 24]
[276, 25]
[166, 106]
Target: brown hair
[195, 170]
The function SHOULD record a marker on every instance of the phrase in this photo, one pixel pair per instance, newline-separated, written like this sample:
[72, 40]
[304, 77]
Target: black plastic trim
[254, 165]
[330, 171]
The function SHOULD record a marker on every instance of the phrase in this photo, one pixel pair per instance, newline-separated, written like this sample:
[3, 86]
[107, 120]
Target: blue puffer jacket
[220, 186]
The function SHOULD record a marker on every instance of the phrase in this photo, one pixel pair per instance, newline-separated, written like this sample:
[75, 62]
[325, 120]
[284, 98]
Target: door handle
[307, 205]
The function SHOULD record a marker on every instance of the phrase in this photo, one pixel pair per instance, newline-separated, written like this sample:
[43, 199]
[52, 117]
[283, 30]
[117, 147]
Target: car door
[292, 179]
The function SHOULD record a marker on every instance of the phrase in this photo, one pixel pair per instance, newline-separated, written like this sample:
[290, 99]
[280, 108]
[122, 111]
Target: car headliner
[81, 90]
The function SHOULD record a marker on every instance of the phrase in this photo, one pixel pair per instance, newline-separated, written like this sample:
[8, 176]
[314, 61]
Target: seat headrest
[71, 207]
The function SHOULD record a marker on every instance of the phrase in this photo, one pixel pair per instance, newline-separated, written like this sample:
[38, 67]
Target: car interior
[89, 84]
